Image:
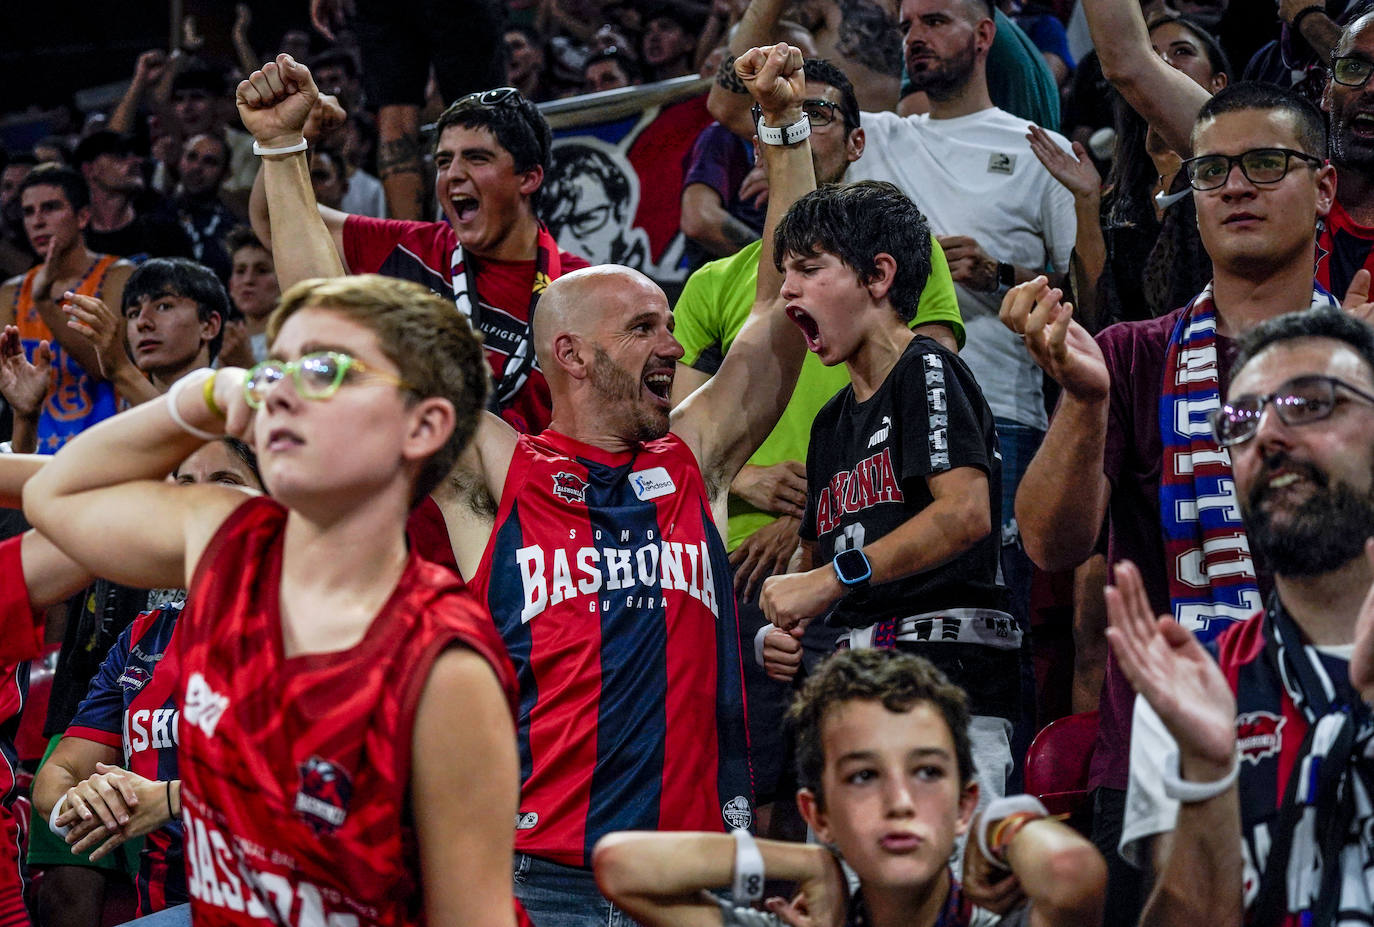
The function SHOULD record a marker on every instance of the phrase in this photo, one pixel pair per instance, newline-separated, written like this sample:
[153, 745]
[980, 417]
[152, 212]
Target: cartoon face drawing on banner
[591, 194]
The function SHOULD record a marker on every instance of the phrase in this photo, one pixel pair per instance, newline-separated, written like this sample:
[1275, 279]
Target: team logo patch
[1259, 734]
[526, 820]
[1000, 163]
[737, 812]
[322, 799]
[651, 483]
[134, 678]
[570, 487]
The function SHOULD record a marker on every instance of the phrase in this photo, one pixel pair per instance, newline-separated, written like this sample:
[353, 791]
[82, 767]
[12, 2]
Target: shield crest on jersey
[1259, 734]
[569, 487]
[323, 796]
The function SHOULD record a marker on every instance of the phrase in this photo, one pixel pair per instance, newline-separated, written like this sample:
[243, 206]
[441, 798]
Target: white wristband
[1189, 792]
[57, 813]
[998, 809]
[288, 149]
[748, 883]
[174, 397]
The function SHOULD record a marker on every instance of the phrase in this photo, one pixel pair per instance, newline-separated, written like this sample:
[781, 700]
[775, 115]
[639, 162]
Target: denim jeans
[555, 895]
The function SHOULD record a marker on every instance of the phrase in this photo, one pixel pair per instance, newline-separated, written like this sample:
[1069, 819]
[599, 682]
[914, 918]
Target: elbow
[37, 499]
[694, 224]
[1076, 886]
[1050, 549]
[613, 866]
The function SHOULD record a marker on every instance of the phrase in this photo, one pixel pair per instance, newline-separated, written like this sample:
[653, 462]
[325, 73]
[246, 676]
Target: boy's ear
[810, 807]
[968, 803]
[884, 273]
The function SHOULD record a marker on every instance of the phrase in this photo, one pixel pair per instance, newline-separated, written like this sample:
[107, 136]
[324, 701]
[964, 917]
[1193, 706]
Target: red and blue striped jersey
[296, 770]
[608, 580]
[133, 707]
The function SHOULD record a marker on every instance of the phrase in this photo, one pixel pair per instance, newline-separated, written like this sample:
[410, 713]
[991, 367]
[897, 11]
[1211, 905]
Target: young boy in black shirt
[903, 470]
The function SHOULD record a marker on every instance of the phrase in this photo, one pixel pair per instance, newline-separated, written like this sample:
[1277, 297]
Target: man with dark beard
[1254, 755]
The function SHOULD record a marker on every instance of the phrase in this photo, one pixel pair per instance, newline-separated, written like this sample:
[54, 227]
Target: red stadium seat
[1057, 762]
[29, 742]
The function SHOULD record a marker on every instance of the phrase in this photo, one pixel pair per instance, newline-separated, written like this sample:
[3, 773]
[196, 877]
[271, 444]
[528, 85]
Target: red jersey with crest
[608, 580]
[296, 770]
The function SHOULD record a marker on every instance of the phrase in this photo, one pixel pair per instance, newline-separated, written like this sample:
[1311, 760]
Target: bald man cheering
[597, 548]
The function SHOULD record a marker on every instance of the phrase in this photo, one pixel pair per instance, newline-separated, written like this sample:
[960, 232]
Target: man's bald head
[578, 301]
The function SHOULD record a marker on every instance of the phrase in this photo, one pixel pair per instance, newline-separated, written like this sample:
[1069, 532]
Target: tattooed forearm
[727, 78]
[868, 32]
[398, 156]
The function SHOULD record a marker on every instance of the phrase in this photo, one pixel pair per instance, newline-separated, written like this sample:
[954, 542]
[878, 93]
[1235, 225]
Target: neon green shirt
[712, 309]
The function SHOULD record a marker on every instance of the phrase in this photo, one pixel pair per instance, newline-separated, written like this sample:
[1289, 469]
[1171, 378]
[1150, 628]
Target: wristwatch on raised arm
[780, 135]
[852, 568]
[1006, 276]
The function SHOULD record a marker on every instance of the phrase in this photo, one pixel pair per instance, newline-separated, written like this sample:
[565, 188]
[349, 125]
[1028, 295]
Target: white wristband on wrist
[285, 150]
[747, 886]
[57, 810]
[998, 809]
[1189, 792]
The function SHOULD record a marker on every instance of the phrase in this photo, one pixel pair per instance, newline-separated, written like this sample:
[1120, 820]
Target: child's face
[893, 801]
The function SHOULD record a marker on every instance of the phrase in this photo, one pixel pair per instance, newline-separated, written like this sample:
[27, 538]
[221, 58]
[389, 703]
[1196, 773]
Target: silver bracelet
[1190, 792]
[173, 397]
[288, 149]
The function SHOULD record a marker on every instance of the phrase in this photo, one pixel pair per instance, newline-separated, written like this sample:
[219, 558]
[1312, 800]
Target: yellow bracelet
[208, 391]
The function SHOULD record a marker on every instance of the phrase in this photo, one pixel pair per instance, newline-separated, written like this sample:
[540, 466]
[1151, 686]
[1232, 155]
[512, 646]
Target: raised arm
[468, 496]
[766, 357]
[98, 496]
[275, 105]
[1062, 499]
[658, 878]
[1186, 688]
[1166, 98]
[729, 100]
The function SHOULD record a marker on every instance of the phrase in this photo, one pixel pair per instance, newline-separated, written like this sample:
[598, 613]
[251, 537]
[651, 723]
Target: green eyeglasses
[316, 376]
[1352, 72]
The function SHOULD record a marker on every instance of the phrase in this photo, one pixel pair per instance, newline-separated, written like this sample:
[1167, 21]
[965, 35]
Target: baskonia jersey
[609, 582]
[132, 706]
[1343, 247]
[296, 770]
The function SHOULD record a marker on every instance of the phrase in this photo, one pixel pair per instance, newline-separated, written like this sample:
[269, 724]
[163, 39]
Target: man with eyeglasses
[491, 256]
[1129, 444]
[1253, 750]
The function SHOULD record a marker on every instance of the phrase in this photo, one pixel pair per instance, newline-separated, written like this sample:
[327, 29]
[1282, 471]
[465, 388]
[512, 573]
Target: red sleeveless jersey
[296, 770]
[609, 582]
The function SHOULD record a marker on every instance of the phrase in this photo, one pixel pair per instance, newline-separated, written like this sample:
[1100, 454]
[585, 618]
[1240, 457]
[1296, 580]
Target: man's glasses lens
[1352, 72]
[819, 112]
[1300, 402]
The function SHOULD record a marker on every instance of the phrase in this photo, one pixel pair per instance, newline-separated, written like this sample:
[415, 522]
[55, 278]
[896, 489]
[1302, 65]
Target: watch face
[851, 566]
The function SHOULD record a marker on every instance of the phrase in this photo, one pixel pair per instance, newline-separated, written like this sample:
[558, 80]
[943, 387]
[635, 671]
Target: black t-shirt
[148, 236]
[866, 470]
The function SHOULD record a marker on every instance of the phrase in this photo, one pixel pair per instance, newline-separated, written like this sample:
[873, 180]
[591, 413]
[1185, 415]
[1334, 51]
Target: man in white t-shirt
[999, 215]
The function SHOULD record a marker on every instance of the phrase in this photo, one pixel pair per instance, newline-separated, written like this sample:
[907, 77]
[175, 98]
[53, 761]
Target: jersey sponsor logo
[526, 820]
[872, 482]
[203, 706]
[651, 483]
[1000, 162]
[322, 799]
[134, 678]
[737, 812]
[1259, 734]
[570, 487]
[640, 576]
[879, 436]
[150, 730]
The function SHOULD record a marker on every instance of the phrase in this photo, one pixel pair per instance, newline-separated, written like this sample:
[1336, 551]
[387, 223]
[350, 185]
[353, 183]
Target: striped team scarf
[1320, 867]
[1211, 573]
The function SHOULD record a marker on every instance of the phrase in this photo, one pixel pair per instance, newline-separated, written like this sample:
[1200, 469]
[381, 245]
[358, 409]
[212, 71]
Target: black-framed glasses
[1301, 401]
[317, 375]
[1259, 165]
[819, 112]
[1351, 72]
[493, 97]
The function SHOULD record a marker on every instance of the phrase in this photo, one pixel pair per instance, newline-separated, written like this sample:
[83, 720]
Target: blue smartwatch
[852, 568]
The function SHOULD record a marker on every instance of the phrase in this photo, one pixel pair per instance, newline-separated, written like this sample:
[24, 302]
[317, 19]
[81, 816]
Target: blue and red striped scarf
[1212, 579]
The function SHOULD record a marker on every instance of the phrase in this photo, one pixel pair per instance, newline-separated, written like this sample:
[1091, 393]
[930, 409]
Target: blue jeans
[555, 895]
[178, 915]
